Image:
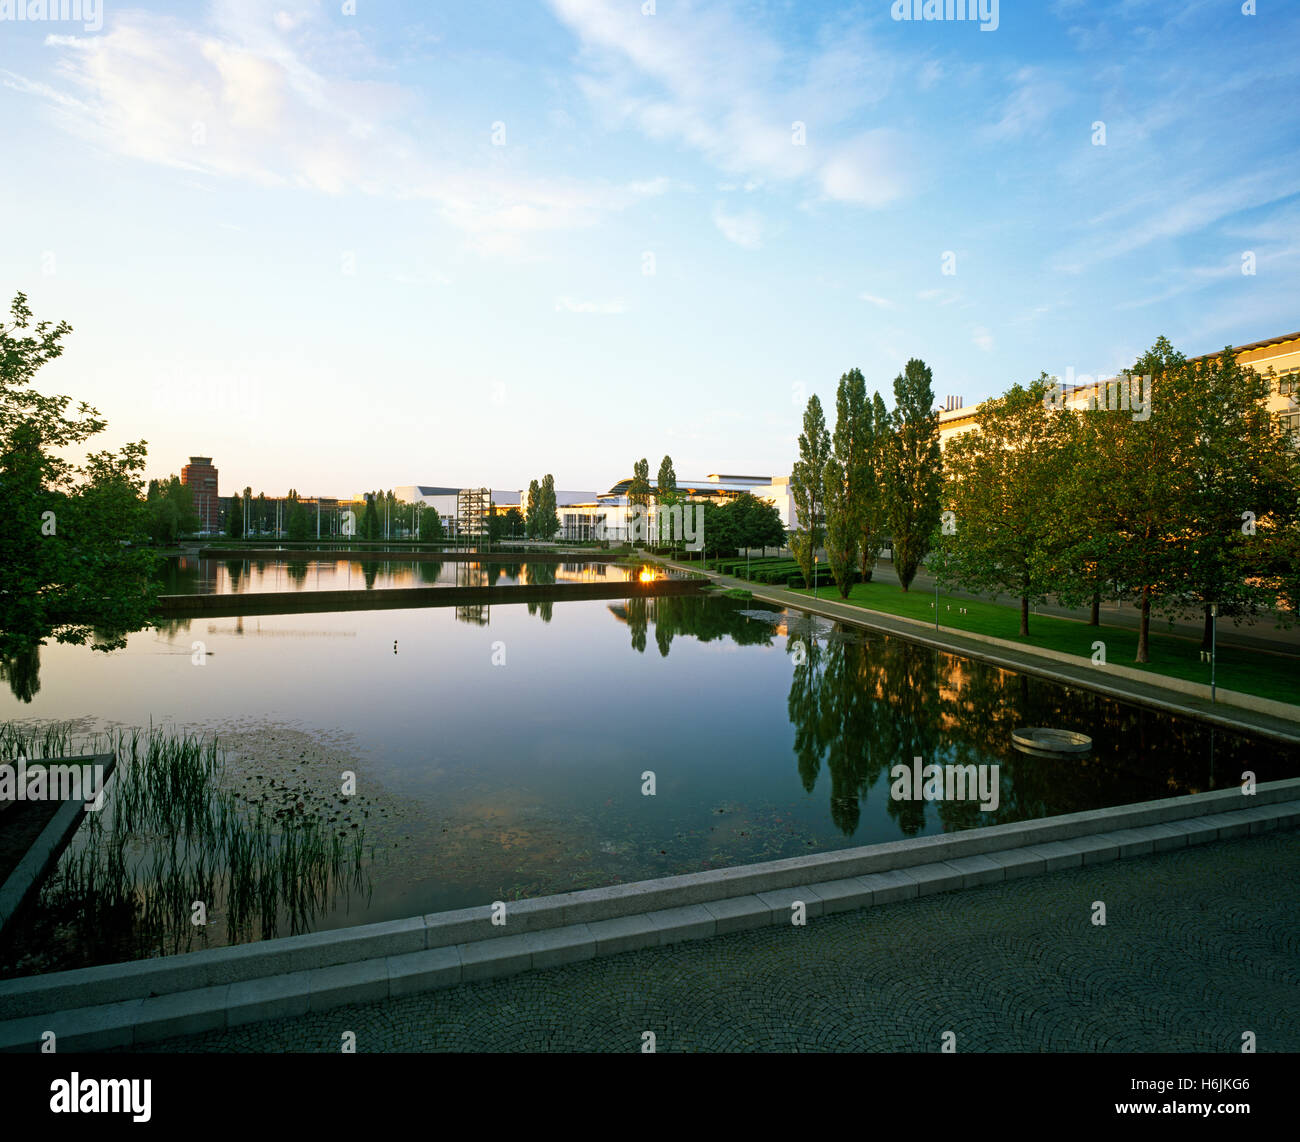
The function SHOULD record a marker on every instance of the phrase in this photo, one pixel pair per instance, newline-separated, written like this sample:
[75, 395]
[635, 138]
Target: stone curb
[140, 1021]
[463, 946]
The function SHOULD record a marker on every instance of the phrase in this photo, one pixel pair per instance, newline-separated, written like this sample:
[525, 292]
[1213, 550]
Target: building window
[1288, 383]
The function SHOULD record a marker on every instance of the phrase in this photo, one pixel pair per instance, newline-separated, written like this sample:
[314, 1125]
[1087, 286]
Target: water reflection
[190, 575]
[861, 704]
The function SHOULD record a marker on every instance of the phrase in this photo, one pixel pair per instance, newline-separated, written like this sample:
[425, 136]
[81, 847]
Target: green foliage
[299, 522]
[666, 486]
[842, 526]
[548, 519]
[428, 524]
[369, 526]
[913, 470]
[72, 564]
[506, 525]
[533, 508]
[638, 492]
[169, 505]
[806, 486]
[998, 486]
[235, 518]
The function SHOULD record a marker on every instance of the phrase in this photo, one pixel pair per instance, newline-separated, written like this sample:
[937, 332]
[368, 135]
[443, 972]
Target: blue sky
[340, 250]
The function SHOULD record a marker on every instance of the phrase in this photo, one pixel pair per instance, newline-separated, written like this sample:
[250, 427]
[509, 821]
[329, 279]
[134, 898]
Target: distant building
[612, 510]
[201, 478]
[1281, 354]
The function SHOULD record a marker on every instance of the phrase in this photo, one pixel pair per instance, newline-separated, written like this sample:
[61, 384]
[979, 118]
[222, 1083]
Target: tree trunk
[1144, 628]
[1095, 619]
[1024, 616]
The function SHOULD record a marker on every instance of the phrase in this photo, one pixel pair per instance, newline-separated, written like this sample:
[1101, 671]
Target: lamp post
[1214, 631]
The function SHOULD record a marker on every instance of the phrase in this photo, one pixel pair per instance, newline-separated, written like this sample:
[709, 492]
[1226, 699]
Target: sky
[347, 245]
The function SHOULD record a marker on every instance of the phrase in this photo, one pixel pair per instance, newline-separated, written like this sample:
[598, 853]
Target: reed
[171, 834]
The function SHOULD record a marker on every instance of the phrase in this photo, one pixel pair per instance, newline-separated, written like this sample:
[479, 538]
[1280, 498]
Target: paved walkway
[1016, 658]
[1200, 944]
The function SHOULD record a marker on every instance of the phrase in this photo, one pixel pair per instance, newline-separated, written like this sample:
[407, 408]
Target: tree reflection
[861, 704]
[21, 668]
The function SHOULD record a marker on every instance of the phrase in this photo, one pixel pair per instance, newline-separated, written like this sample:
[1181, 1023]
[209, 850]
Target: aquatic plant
[172, 834]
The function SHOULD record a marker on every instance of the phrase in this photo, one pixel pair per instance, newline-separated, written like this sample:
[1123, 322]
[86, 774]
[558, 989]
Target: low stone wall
[305, 602]
[144, 1000]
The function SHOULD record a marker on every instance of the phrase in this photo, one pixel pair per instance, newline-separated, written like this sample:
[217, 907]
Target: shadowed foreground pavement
[1200, 944]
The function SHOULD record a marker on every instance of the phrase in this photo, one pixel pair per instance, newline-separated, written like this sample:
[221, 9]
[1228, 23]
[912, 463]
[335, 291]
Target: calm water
[190, 575]
[504, 748]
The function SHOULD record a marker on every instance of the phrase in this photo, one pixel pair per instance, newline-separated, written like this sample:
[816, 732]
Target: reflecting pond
[503, 752]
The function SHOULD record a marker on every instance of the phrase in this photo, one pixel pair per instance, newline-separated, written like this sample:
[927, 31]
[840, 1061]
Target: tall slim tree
[235, 518]
[871, 512]
[842, 525]
[639, 493]
[532, 509]
[852, 412]
[549, 518]
[806, 487]
[665, 495]
[914, 470]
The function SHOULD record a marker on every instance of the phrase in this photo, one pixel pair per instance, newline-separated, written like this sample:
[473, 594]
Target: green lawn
[1273, 676]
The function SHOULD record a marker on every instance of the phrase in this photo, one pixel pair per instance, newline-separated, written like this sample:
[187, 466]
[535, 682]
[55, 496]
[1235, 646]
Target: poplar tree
[806, 487]
[532, 509]
[548, 518]
[914, 470]
[841, 525]
[638, 492]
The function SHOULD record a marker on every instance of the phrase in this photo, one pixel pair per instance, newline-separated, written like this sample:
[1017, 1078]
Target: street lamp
[1214, 631]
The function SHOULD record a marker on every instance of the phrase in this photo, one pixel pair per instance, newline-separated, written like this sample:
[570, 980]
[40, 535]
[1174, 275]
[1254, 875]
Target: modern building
[440, 499]
[613, 510]
[201, 478]
[444, 500]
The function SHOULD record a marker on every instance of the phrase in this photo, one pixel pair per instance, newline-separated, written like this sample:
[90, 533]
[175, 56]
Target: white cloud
[982, 339]
[942, 296]
[880, 302]
[1027, 108]
[738, 105]
[654, 187]
[865, 170]
[569, 305]
[744, 228]
[247, 97]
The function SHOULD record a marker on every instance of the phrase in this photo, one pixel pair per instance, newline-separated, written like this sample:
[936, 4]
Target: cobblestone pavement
[1199, 946]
